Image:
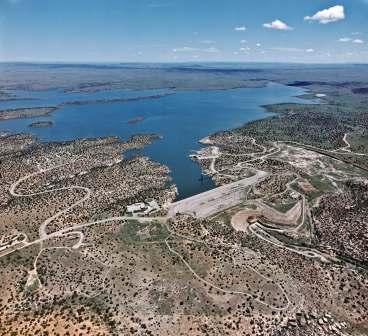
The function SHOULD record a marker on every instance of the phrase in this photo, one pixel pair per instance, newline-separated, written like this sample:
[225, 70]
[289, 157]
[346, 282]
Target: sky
[302, 31]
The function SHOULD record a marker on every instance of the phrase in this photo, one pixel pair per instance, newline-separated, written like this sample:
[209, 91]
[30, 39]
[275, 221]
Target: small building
[152, 203]
[136, 207]
[294, 195]
[143, 208]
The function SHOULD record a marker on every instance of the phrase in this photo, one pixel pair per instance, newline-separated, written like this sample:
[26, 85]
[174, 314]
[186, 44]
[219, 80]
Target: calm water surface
[182, 119]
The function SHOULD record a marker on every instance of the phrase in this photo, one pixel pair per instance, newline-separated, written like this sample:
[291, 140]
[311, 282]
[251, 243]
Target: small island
[135, 120]
[29, 112]
[41, 124]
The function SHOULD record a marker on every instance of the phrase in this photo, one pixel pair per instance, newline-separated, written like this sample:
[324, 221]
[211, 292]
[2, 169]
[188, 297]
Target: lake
[182, 119]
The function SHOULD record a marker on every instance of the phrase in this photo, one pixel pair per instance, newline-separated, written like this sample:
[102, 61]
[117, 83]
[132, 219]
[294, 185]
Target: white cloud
[348, 39]
[243, 41]
[242, 28]
[258, 45]
[244, 49]
[191, 49]
[287, 49]
[207, 42]
[211, 50]
[358, 41]
[310, 50]
[184, 49]
[328, 15]
[277, 24]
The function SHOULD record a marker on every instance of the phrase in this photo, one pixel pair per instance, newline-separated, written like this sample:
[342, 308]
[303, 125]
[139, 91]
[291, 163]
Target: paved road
[43, 226]
[43, 235]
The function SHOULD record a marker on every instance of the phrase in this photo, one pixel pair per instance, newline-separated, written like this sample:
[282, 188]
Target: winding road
[74, 230]
[201, 206]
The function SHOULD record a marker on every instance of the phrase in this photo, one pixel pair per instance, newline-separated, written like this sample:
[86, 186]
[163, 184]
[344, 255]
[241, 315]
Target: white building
[143, 208]
[136, 207]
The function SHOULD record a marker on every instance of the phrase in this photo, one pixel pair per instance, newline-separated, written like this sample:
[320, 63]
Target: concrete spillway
[217, 199]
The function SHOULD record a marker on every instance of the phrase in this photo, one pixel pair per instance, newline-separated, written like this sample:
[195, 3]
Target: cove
[181, 118]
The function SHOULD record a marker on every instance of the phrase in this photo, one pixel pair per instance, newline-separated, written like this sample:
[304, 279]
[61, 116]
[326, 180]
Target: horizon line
[50, 62]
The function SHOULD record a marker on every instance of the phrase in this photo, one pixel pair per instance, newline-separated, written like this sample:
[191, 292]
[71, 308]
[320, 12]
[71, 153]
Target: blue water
[181, 119]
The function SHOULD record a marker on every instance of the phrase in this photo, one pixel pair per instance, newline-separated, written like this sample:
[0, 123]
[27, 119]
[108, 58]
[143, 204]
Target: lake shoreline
[182, 119]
